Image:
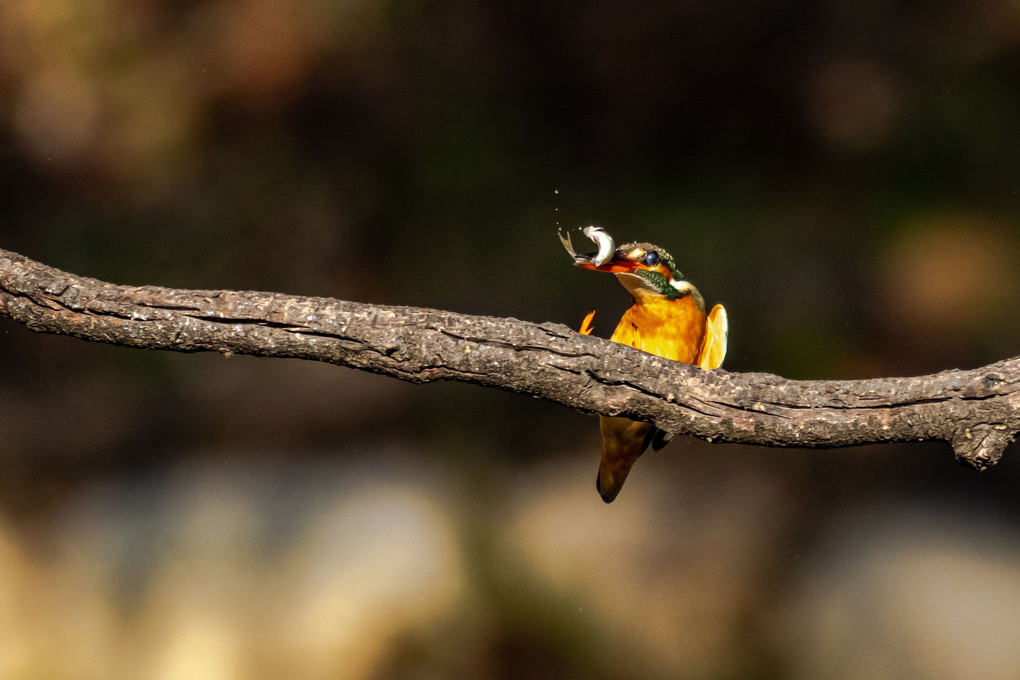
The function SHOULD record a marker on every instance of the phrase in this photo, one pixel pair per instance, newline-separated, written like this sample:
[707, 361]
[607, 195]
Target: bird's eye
[652, 259]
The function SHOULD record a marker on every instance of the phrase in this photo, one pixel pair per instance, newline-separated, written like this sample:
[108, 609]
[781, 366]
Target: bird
[667, 318]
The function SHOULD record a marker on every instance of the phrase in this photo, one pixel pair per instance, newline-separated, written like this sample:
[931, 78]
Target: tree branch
[976, 411]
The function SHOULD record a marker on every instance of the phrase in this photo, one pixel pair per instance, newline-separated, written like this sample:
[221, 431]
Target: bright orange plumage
[673, 329]
[666, 318]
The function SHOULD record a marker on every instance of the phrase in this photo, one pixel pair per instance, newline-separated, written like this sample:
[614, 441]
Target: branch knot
[981, 446]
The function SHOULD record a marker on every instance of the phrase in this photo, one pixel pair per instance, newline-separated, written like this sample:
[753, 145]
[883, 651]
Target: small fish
[598, 235]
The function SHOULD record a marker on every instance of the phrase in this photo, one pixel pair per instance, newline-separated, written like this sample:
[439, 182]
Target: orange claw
[586, 326]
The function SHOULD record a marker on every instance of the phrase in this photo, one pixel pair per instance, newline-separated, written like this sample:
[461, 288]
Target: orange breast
[669, 328]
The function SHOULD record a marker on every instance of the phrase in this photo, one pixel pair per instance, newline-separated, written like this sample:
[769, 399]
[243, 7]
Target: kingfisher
[667, 318]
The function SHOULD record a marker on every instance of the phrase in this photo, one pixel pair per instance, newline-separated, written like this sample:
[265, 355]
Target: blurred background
[842, 175]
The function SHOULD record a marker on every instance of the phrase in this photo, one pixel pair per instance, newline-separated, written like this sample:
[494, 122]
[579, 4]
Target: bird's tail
[623, 441]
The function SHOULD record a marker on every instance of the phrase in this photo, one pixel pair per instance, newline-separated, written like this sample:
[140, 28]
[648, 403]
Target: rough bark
[975, 411]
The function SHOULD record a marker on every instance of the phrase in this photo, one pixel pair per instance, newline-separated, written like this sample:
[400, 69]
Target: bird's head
[644, 269]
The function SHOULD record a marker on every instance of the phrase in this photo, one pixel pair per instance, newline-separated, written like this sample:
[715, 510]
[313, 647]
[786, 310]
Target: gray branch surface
[975, 411]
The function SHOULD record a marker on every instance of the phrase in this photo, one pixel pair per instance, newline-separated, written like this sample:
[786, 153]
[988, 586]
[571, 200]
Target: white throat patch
[682, 286]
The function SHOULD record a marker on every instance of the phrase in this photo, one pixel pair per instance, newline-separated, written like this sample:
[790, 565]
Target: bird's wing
[713, 349]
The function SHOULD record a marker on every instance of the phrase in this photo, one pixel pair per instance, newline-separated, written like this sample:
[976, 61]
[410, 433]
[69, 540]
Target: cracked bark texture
[975, 411]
